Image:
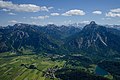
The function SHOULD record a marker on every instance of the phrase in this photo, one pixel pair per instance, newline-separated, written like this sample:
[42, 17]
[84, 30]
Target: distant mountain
[38, 38]
[113, 26]
[60, 32]
[24, 35]
[95, 40]
[78, 25]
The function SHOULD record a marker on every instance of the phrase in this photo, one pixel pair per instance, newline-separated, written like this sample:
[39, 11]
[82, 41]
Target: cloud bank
[113, 13]
[22, 7]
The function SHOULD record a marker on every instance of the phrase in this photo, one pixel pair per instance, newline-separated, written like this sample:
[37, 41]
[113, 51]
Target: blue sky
[42, 12]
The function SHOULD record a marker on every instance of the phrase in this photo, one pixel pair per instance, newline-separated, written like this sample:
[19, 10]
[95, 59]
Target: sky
[59, 12]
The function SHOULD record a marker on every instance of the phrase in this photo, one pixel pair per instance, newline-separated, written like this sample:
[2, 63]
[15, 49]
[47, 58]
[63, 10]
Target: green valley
[46, 67]
[18, 67]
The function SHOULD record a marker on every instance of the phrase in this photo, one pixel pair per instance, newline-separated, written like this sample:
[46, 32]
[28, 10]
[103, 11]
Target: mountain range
[92, 39]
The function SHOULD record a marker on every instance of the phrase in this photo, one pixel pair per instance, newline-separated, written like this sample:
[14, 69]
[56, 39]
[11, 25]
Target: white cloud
[13, 21]
[115, 10]
[22, 7]
[54, 14]
[11, 13]
[6, 10]
[40, 17]
[74, 12]
[97, 12]
[50, 7]
[106, 18]
[85, 22]
[112, 14]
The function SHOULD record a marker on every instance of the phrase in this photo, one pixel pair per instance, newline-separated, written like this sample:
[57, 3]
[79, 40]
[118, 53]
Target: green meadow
[11, 67]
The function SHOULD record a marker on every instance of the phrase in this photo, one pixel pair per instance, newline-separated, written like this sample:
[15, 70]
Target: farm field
[19, 67]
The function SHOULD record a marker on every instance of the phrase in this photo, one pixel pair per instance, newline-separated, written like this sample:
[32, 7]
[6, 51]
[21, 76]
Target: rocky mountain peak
[92, 22]
[93, 27]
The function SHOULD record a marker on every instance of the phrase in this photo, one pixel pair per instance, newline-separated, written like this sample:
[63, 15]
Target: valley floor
[47, 67]
[18, 67]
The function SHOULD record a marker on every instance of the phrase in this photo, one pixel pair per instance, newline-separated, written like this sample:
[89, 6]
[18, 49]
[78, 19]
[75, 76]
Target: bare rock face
[94, 39]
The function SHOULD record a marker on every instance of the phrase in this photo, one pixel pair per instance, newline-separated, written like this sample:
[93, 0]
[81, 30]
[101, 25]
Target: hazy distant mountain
[113, 26]
[78, 25]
